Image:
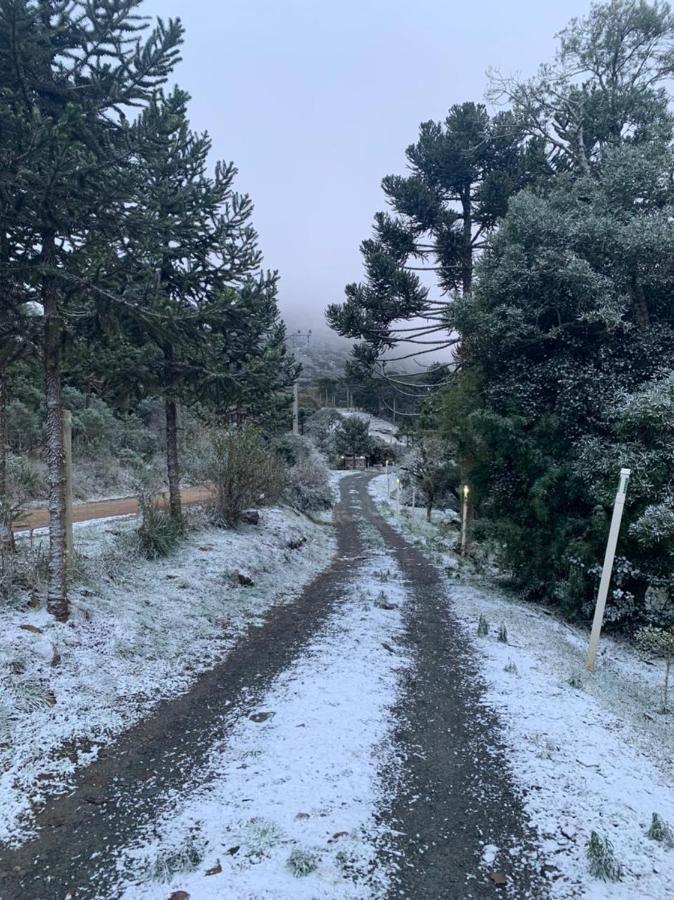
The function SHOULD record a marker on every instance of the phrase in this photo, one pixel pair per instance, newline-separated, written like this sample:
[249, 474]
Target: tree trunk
[429, 506]
[6, 534]
[467, 252]
[172, 464]
[641, 314]
[57, 589]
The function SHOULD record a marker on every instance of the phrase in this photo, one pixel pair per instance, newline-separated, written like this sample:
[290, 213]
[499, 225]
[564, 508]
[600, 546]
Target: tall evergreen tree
[68, 70]
[462, 172]
[202, 321]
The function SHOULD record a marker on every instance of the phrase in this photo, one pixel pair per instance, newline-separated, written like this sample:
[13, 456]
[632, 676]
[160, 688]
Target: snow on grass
[286, 805]
[139, 632]
[591, 750]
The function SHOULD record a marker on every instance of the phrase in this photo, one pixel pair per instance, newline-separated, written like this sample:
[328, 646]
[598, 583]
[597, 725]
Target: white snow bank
[139, 632]
[300, 785]
[597, 756]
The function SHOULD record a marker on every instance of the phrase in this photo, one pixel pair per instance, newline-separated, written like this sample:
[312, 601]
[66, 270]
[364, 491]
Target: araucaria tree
[69, 69]
[462, 172]
[204, 316]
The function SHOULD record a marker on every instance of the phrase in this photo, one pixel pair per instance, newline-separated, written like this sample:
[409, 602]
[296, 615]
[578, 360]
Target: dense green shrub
[352, 437]
[244, 473]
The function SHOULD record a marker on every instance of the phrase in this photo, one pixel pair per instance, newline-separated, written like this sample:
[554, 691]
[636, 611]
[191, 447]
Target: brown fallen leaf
[179, 895]
[498, 878]
[32, 628]
[233, 850]
[215, 870]
[51, 699]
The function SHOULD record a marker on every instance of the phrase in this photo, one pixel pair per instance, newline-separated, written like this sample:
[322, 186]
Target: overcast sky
[316, 100]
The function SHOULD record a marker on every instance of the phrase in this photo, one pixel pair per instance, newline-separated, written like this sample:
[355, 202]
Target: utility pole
[296, 408]
[298, 339]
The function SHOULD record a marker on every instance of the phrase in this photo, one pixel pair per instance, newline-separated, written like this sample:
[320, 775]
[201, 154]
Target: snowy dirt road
[343, 749]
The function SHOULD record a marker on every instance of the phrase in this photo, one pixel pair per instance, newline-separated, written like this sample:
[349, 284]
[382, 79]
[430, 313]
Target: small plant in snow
[261, 836]
[601, 858]
[159, 534]
[660, 831]
[575, 681]
[503, 634]
[511, 668]
[659, 642]
[482, 627]
[382, 601]
[302, 862]
[186, 857]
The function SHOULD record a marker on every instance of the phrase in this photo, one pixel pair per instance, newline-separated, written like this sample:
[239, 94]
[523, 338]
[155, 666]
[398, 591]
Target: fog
[315, 102]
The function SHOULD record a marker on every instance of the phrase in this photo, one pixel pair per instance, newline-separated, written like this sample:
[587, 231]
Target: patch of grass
[482, 627]
[261, 835]
[302, 862]
[511, 668]
[660, 831]
[159, 533]
[575, 681]
[601, 859]
[186, 857]
[502, 635]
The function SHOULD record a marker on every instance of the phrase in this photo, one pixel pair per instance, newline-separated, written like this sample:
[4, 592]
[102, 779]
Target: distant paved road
[103, 509]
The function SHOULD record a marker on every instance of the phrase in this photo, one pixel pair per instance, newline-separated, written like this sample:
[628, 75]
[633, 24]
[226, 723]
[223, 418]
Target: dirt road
[455, 791]
[103, 509]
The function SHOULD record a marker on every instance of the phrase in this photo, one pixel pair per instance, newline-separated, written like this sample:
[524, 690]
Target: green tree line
[548, 232]
[129, 264]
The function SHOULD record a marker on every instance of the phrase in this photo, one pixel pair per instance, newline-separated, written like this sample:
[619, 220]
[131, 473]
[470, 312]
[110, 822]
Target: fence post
[611, 544]
[68, 461]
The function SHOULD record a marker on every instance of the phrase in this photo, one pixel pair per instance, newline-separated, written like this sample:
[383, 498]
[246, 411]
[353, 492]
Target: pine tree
[69, 69]
[463, 171]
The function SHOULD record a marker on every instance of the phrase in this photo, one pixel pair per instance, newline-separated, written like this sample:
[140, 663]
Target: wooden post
[68, 455]
[612, 542]
[464, 520]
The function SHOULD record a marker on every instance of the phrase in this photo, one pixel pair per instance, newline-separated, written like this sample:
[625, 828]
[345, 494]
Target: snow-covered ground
[285, 807]
[139, 632]
[591, 750]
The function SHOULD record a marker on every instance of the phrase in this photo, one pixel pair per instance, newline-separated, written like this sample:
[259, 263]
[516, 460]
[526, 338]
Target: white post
[388, 482]
[68, 454]
[414, 502]
[398, 494]
[296, 408]
[614, 531]
[464, 520]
